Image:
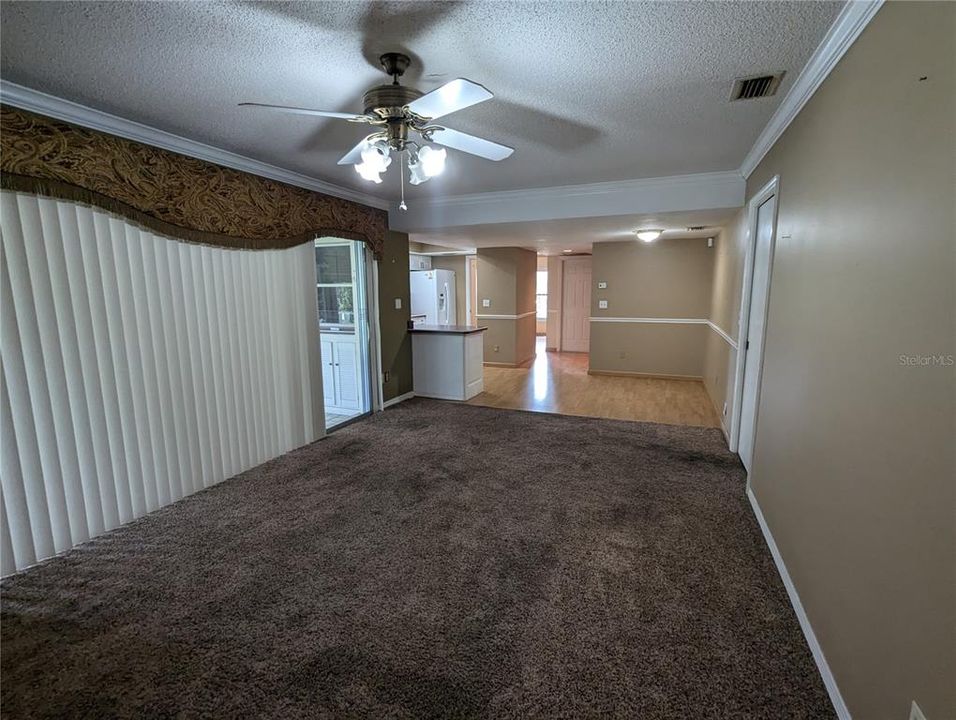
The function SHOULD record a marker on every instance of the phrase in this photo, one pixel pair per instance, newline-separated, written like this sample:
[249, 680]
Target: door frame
[470, 260]
[374, 330]
[370, 389]
[771, 189]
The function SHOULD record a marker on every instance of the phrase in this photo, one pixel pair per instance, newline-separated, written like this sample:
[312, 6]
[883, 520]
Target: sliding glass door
[344, 328]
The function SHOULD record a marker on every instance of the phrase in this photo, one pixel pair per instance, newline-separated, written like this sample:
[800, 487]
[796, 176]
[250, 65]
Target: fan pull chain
[401, 171]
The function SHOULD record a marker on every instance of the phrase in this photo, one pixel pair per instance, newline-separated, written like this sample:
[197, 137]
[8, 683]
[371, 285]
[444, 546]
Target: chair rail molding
[39, 102]
[652, 320]
[844, 31]
[720, 331]
[506, 317]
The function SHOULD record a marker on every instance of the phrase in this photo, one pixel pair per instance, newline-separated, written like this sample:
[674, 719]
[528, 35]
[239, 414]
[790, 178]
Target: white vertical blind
[137, 369]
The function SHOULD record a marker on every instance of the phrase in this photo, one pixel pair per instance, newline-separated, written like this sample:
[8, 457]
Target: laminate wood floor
[559, 383]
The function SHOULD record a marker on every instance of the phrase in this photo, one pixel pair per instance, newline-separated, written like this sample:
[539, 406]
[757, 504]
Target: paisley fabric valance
[193, 200]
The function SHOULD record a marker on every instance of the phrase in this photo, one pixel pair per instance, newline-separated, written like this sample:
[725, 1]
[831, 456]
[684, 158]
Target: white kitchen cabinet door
[328, 374]
[346, 374]
[419, 262]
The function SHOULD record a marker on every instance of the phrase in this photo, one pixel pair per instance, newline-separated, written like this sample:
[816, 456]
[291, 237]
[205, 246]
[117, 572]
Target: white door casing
[471, 289]
[576, 305]
[762, 218]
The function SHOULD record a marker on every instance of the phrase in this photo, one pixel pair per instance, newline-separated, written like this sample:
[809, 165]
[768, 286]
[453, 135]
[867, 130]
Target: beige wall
[396, 343]
[854, 461]
[718, 374]
[506, 276]
[497, 281]
[719, 356]
[648, 349]
[455, 263]
[666, 279]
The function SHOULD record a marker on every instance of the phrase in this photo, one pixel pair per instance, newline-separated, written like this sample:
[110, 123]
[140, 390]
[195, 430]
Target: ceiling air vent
[695, 228]
[756, 87]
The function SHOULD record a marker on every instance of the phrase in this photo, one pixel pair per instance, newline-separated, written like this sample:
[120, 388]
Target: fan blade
[471, 144]
[306, 111]
[450, 97]
[354, 155]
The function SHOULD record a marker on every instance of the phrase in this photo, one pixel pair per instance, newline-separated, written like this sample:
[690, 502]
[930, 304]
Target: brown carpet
[436, 560]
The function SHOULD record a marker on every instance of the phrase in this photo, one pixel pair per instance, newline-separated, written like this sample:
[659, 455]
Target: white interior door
[753, 349]
[576, 305]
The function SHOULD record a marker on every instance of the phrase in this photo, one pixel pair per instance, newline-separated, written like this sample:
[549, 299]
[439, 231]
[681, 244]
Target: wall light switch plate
[486, 302]
[398, 303]
[602, 304]
[602, 286]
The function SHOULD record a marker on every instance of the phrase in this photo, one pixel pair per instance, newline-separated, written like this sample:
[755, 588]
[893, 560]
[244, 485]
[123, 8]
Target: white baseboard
[397, 400]
[828, 680]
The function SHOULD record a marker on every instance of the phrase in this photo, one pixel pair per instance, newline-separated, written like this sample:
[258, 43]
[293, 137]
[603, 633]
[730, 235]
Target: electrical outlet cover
[486, 302]
[602, 286]
[602, 304]
[398, 303]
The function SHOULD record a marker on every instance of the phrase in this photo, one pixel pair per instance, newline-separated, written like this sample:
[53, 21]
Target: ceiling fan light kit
[400, 113]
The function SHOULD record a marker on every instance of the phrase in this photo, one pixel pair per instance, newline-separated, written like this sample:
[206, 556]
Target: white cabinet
[446, 362]
[340, 372]
[419, 262]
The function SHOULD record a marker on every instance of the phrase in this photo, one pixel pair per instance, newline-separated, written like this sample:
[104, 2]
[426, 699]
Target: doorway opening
[341, 269]
[762, 223]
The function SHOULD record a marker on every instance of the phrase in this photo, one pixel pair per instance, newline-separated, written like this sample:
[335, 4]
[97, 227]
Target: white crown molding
[702, 191]
[847, 27]
[829, 681]
[51, 106]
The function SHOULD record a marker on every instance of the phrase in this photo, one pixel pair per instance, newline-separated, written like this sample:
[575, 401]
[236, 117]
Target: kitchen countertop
[450, 329]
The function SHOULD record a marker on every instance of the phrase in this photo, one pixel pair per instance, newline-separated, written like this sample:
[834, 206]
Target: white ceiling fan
[399, 112]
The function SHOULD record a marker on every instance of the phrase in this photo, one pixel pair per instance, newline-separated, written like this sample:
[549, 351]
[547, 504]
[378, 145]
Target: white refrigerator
[433, 297]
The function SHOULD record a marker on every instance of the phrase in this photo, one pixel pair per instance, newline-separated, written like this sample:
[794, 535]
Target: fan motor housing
[389, 101]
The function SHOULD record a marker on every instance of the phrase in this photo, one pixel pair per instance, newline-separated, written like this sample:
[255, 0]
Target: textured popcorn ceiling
[586, 92]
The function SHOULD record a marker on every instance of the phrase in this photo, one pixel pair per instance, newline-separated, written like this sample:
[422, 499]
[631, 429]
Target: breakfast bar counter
[446, 361]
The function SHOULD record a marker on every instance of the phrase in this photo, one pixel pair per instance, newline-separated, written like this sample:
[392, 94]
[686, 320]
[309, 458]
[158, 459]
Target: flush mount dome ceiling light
[399, 112]
[648, 235]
